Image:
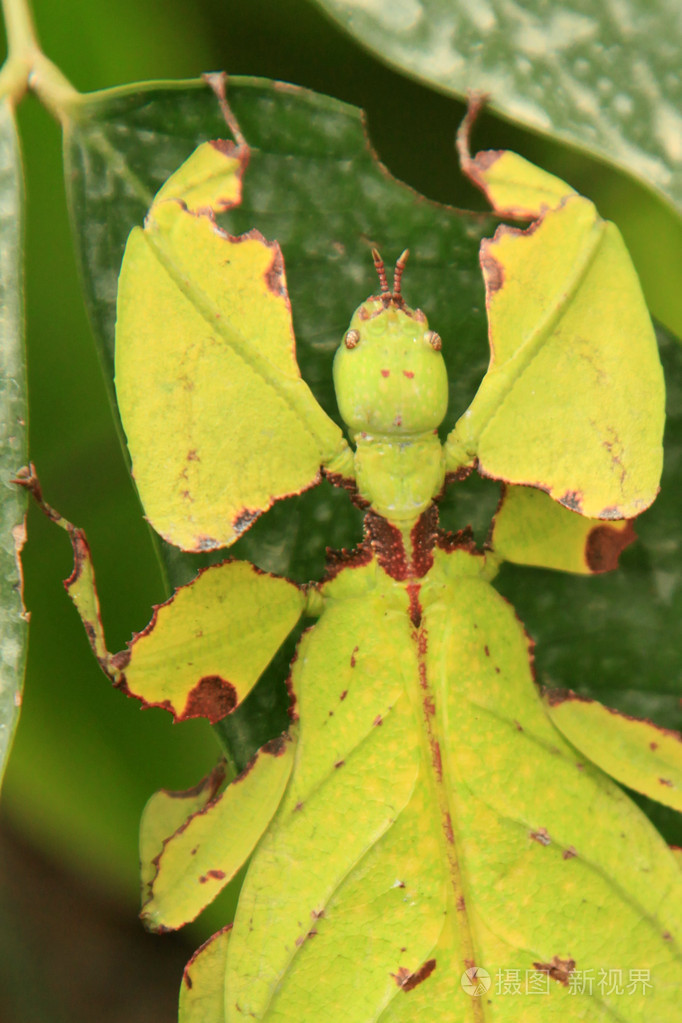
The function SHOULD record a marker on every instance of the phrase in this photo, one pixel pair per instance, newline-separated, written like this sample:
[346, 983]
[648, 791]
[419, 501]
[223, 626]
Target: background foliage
[85, 760]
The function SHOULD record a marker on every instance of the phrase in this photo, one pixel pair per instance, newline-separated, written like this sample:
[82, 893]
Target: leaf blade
[13, 433]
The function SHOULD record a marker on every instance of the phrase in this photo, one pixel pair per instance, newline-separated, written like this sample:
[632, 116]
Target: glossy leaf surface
[602, 77]
[13, 433]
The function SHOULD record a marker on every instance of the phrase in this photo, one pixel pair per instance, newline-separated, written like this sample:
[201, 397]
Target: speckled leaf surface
[433, 747]
[206, 371]
[567, 405]
[600, 76]
[13, 433]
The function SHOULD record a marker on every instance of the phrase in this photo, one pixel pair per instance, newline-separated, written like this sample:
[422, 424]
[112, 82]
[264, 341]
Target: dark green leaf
[13, 435]
[604, 77]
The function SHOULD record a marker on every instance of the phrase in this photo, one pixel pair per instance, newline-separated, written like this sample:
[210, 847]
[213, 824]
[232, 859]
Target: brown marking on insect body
[245, 519]
[415, 610]
[216, 875]
[386, 541]
[517, 726]
[653, 746]
[559, 969]
[611, 512]
[604, 545]
[413, 979]
[378, 720]
[339, 763]
[408, 373]
[572, 499]
[570, 853]
[343, 695]
[463, 539]
[277, 746]
[666, 781]
[487, 651]
[385, 373]
[352, 656]
[339, 560]
[299, 806]
[541, 835]
[493, 271]
[213, 697]
[192, 456]
[423, 537]
[194, 851]
[461, 904]
[667, 936]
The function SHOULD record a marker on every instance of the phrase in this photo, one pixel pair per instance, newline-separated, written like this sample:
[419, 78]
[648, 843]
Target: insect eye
[351, 338]
[434, 340]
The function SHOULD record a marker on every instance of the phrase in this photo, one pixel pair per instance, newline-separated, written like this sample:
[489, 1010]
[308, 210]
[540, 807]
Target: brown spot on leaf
[385, 373]
[408, 373]
[352, 656]
[487, 651]
[339, 763]
[604, 545]
[192, 456]
[666, 781]
[517, 726]
[559, 969]
[378, 720]
[570, 853]
[212, 697]
[343, 695]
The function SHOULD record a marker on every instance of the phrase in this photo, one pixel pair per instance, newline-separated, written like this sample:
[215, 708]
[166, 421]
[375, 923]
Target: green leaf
[13, 433]
[423, 783]
[637, 753]
[601, 77]
[566, 405]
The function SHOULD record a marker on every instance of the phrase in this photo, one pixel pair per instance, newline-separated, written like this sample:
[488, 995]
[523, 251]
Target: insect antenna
[398, 276]
[381, 272]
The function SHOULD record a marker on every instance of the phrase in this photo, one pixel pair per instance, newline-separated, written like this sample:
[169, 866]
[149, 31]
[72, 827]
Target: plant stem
[27, 67]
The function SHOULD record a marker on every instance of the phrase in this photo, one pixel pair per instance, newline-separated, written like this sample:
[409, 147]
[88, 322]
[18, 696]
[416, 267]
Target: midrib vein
[291, 388]
[434, 761]
[502, 379]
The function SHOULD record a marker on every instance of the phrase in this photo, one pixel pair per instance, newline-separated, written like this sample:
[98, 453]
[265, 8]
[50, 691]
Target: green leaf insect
[431, 838]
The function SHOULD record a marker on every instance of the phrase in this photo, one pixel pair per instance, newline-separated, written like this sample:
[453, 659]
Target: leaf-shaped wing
[435, 823]
[219, 422]
[189, 862]
[573, 399]
[638, 753]
[197, 657]
[531, 529]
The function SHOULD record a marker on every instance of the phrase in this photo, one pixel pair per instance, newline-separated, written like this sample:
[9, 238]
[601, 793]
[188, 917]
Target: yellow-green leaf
[202, 994]
[219, 422]
[640, 754]
[573, 399]
[207, 848]
[197, 657]
[531, 529]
